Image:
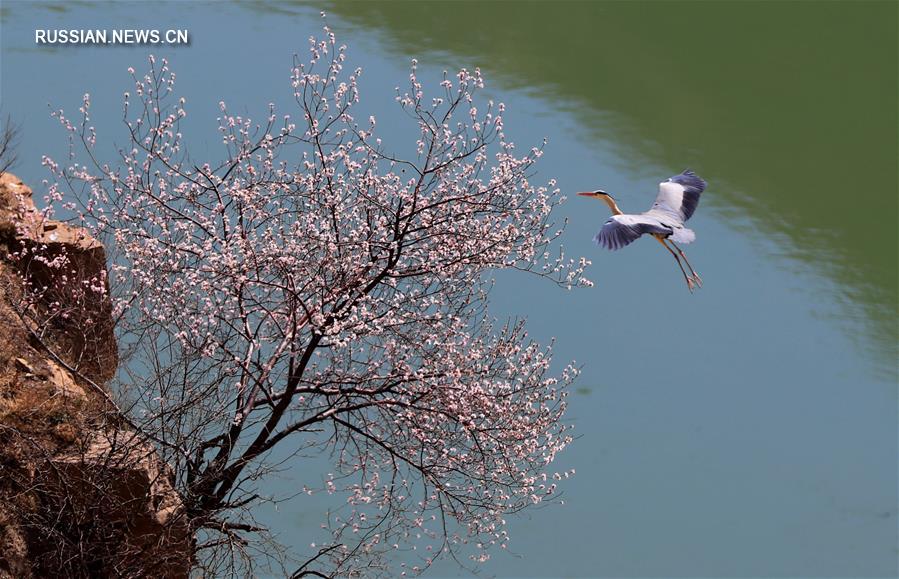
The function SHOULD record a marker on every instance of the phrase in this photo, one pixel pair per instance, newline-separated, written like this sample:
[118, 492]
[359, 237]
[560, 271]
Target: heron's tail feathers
[683, 235]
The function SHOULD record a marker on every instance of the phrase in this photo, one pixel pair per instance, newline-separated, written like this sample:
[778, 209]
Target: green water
[748, 430]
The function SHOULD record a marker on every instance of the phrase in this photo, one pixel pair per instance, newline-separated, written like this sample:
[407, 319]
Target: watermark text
[111, 36]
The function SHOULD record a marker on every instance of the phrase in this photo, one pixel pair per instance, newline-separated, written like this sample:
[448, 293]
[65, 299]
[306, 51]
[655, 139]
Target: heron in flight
[677, 200]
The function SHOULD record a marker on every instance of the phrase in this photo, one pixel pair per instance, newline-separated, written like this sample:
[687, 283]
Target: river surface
[747, 430]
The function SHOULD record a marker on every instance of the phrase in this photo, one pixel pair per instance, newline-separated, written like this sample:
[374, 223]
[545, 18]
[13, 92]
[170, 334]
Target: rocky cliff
[82, 494]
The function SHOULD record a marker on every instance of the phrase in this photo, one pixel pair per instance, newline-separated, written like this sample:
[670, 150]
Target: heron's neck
[612, 205]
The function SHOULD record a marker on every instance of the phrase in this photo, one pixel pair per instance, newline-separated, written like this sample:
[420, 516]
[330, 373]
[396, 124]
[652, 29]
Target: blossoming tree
[315, 292]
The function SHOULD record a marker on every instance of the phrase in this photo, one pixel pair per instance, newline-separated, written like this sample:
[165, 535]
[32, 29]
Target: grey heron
[677, 200]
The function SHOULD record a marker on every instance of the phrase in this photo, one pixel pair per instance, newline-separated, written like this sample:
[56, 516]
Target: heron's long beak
[595, 194]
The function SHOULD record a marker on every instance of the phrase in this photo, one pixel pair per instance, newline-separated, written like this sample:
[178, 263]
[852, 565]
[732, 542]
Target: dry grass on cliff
[81, 495]
[36, 399]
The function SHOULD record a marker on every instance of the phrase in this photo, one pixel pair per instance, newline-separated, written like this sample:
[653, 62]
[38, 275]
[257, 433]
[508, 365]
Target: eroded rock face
[61, 263]
[81, 493]
[132, 501]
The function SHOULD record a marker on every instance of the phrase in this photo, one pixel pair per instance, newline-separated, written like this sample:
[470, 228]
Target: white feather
[670, 198]
[629, 219]
[683, 235]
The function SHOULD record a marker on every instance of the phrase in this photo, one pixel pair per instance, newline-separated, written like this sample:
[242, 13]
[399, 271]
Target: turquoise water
[747, 430]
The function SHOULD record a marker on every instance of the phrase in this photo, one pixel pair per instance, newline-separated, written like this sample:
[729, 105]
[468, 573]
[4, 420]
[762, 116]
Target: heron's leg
[696, 277]
[688, 279]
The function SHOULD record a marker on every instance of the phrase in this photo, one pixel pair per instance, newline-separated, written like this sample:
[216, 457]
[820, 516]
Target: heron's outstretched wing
[621, 230]
[679, 195]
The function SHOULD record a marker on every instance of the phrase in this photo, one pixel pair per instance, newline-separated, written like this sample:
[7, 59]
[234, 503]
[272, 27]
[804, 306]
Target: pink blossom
[311, 281]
